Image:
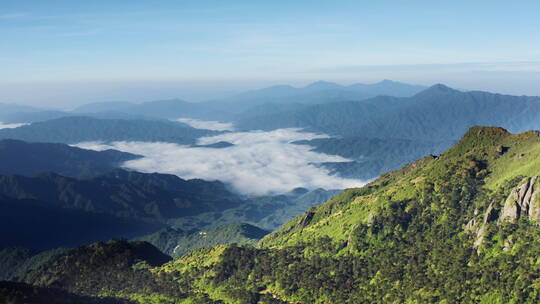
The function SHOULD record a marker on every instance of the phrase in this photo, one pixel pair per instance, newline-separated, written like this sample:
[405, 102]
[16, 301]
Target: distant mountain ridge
[219, 109]
[29, 159]
[104, 106]
[436, 116]
[319, 92]
[420, 117]
[372, 157]
[78, 129]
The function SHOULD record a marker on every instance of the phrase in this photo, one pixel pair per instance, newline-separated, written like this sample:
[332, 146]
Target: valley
[243, 198]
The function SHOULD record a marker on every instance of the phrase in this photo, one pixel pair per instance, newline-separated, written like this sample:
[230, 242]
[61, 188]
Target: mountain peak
[438, 88]
[441, 87]
[478, 132]
[322, 85]
[480, 140]
[386, 81]
[492, 132]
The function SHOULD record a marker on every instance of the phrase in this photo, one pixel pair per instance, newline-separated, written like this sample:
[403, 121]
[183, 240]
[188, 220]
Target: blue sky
[68, 52]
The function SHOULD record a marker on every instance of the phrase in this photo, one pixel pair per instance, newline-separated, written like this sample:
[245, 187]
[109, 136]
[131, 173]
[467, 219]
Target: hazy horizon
[58, 96]
[65, 53]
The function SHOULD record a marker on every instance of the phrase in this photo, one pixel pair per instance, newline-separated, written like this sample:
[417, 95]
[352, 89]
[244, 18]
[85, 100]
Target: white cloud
[13, 16]
[258, 163]
[11, 126]
[207, 125]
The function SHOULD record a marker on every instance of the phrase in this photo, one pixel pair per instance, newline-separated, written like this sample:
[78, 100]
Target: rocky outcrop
[480, 229]
[523, 201]
[305, 220]
[500, 150]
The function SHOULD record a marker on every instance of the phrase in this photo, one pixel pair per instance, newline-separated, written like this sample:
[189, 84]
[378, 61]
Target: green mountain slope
[39, 224]
[461, 227]
[50, 210]
[479, 150]
[115, 266]
[123, 193]
[22, 293]
[17, 261]
[12, 258]
[372, 157]
[266, 212]
[175, 242]
[443, 229]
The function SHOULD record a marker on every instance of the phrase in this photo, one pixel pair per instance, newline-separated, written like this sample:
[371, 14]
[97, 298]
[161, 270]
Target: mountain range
[389, 131]
[223, 109]
[460, 227]
[320, 92]
[450, 216]
[435, 114]
[79, 196]
[76, 129]
[30, 159]
[385, 110]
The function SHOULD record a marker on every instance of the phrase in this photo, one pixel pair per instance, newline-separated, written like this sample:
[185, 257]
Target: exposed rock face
[500, 150]
[523, 201]
[306, 219]
[481, 230]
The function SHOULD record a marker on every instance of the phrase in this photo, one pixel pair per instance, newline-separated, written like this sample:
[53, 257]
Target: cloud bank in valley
[12, 126]
[207, 124]
[258, 163]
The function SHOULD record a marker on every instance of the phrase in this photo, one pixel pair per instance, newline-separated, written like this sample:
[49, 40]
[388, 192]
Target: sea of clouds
[12, 126]
[207, 124]
[259, 163]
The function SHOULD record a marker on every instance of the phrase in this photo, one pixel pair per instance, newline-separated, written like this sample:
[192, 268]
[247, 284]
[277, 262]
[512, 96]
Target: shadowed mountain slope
[29, 159]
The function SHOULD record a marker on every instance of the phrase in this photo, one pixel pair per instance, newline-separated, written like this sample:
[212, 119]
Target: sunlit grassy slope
[505, 155]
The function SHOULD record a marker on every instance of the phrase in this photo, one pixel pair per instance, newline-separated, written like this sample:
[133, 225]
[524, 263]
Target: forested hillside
[455, 228]
[29, 159]
[176, 242]
[435, 114]
[78, 129]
